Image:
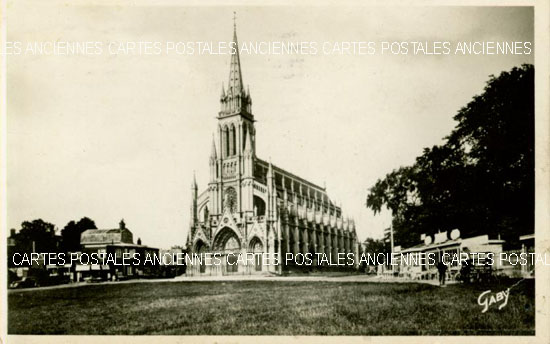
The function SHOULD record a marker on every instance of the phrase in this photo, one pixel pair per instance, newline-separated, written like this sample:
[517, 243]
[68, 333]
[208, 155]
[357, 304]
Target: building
[450, 244]
[97, 239]
[254, 206]
[116, 242]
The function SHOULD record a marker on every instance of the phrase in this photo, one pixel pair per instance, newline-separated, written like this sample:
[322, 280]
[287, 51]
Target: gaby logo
[486, 299]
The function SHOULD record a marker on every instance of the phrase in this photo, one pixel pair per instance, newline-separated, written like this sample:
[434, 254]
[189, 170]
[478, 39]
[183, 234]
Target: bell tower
[235, 119]
[233, 163]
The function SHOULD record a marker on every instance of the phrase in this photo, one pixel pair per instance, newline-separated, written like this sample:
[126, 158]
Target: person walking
[442, 269]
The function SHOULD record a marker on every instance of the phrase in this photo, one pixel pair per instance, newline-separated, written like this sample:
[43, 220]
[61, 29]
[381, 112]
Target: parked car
[25, 282]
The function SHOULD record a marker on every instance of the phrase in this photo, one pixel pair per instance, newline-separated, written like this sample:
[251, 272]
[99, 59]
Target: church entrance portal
[228, 244]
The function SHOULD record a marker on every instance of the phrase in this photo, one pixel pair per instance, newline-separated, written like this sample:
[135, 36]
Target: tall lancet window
[233, 141]
[230, 142]
[226, 141]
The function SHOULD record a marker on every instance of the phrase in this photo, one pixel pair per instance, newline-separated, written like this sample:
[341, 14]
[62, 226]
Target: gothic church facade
[254, 206]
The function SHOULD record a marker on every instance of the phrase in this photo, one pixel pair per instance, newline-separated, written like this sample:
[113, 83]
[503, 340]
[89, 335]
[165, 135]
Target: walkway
[298, 278]
[295, 278]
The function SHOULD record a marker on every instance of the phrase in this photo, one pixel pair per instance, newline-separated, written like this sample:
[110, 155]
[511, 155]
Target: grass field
[269, 308]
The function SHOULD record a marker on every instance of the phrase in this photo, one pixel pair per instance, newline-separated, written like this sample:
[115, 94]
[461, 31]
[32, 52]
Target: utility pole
[391, 238]
[390, 230]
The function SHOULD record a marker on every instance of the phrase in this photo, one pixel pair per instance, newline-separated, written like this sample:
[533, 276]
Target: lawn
[269, 308]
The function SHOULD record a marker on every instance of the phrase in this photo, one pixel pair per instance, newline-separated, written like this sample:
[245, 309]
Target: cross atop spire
[235, 98]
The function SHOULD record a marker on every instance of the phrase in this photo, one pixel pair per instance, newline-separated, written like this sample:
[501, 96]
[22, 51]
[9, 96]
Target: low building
[117, 243]
[445, 244]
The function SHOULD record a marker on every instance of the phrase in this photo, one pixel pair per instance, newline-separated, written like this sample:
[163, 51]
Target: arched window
[259, 206]
[222, 142]
[226, 141]
[233, 141]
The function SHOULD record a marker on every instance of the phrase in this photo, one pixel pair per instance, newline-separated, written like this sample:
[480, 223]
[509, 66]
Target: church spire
[235, 86]
[235, 98]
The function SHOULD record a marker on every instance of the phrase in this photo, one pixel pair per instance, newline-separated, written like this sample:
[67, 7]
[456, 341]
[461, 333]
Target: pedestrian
[442, 269]
[466, 271]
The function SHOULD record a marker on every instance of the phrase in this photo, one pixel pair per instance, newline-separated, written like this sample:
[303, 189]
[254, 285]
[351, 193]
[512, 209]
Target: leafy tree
[373, 246]
[72, 231]
[35, 236]
[481, 180]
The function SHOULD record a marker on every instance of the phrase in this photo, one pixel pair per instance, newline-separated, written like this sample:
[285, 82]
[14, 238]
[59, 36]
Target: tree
[35, 236]
[481, 180]
[497, 129]
[374, 246]
[72, 231]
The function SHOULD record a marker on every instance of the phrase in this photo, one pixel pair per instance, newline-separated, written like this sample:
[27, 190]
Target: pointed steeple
[235, 99]
[235, 86]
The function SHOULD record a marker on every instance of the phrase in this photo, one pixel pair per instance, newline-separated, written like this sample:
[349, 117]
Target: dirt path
[183, 278]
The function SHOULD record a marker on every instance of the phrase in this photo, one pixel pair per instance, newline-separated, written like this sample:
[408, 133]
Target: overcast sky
[113, 137]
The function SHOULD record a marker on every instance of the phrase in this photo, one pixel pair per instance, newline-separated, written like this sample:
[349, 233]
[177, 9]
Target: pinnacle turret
[247, 145]
[194, 183]
[213, 153]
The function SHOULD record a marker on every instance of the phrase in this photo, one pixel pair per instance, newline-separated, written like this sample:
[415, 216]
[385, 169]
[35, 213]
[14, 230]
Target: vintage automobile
[475, 273]
[25, 282]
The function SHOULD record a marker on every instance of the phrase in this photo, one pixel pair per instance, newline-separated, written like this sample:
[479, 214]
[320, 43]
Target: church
[254, 206]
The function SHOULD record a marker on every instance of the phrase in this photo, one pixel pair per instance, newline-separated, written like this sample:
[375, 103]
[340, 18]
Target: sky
[119, 136]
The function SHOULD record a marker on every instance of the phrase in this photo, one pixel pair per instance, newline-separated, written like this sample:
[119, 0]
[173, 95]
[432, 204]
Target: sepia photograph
[238, 172]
